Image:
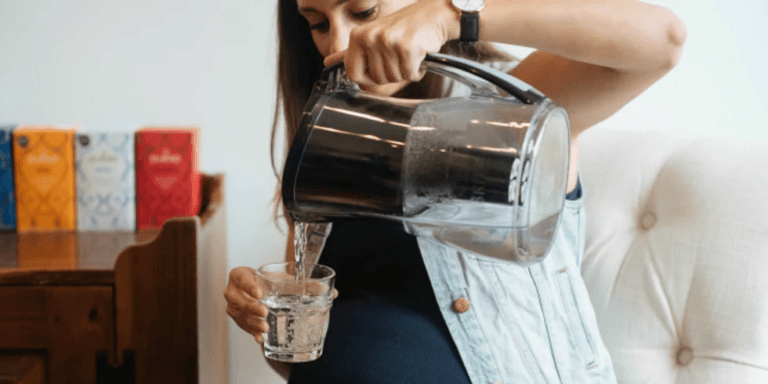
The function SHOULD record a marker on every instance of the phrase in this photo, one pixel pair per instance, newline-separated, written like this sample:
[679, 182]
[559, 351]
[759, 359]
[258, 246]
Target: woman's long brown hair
[299, 65]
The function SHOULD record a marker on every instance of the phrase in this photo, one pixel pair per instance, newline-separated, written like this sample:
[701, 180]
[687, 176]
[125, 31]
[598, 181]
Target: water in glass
[297, 327]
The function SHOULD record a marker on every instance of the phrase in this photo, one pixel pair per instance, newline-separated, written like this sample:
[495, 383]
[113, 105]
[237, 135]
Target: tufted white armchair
[677, 254]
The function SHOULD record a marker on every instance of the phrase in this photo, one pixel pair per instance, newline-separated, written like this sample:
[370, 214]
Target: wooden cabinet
[21, 368]
[93, 308]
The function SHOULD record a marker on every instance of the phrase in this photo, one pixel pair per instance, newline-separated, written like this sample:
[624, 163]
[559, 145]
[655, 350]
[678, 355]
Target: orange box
[44, 159]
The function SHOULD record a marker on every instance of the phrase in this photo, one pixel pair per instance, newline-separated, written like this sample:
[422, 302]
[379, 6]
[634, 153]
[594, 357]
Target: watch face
[469, 5]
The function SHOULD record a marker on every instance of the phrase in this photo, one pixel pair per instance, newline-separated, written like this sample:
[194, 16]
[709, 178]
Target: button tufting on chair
[684, 356]
[648, 220]
[700, 277]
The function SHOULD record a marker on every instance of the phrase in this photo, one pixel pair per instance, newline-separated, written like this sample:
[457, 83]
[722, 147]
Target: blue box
[105, 180]
[7, 201]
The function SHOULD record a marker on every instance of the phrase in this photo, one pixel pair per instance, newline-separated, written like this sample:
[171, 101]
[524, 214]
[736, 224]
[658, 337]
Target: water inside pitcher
[484, 173]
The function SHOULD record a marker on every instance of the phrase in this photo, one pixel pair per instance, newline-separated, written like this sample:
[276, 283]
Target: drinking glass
[299, 308]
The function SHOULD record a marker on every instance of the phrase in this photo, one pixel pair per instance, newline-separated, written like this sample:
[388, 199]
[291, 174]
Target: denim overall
[514, 324]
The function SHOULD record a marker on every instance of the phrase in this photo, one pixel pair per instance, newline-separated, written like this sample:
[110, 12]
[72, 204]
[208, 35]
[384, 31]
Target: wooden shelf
[79, 258]
[151, 299]
[64, 258]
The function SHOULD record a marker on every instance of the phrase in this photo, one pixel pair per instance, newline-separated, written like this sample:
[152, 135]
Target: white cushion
[677, 254]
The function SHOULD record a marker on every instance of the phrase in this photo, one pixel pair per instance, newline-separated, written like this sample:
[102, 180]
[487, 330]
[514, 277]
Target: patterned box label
[45, 178]
[7, 201]
[167, 175]
[105, 180]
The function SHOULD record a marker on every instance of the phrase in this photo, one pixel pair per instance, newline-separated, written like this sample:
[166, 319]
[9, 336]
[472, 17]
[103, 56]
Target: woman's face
[331, 22]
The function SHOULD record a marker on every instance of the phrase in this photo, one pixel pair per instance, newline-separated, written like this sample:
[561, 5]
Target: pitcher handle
[434, 61]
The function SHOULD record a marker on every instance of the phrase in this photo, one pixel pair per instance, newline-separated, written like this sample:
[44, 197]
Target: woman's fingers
[412, 60]
[258, 324]
[241, 295]
[245, 279]
[403, 57]
[377, 67]
[356, 60]
[389, 48]
[240, 301]
[253, 307]
[370, 60]
[393, 47]
[334, 58]
[248, 323]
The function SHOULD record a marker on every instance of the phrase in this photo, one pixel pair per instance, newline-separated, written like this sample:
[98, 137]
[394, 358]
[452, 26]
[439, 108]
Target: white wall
[718, 88]
[114, 65]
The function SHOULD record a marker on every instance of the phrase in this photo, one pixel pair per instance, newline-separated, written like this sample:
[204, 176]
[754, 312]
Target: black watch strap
[469, 27]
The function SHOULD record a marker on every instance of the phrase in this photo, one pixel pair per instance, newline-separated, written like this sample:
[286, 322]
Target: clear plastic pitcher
[484, 173]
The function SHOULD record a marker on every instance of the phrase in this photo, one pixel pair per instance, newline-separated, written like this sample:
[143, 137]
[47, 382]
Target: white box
[106, 181]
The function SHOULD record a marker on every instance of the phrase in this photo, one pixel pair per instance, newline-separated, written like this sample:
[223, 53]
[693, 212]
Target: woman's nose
[339, 38]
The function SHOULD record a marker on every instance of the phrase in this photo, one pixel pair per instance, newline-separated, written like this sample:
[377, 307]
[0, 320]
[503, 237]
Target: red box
[167, 175]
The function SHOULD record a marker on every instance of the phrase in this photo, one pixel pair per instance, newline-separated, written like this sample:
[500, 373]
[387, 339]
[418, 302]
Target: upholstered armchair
[677, 254]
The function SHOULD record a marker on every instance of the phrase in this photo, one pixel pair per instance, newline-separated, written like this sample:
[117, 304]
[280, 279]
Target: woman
[413, 311]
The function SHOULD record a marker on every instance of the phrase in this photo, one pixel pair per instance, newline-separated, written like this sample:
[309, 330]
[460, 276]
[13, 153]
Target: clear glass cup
[299, 309]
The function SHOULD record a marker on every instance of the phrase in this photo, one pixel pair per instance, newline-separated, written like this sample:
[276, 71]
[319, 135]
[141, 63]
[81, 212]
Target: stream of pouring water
[300, 249]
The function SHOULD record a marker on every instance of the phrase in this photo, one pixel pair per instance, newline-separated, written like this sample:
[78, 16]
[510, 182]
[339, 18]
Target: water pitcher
[485, 173]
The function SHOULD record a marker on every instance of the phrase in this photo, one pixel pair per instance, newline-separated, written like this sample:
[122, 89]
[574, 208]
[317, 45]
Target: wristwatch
[470, 17]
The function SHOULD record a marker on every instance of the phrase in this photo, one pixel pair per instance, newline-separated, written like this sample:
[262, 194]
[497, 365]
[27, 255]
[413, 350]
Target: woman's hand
[242, 295]
[391, 49]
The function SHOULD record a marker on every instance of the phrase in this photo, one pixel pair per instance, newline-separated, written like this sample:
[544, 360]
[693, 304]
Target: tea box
[7, 201]
[167, 175]
[45, 178]
[105, 181]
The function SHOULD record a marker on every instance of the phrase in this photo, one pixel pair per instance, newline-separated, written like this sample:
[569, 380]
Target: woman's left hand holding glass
[391, 49]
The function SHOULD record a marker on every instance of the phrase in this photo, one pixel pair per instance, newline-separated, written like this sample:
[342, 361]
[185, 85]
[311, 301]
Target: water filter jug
[485, 173]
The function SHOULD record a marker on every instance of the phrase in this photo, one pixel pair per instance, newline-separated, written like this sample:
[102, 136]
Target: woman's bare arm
[593, 56]
[624, 35]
